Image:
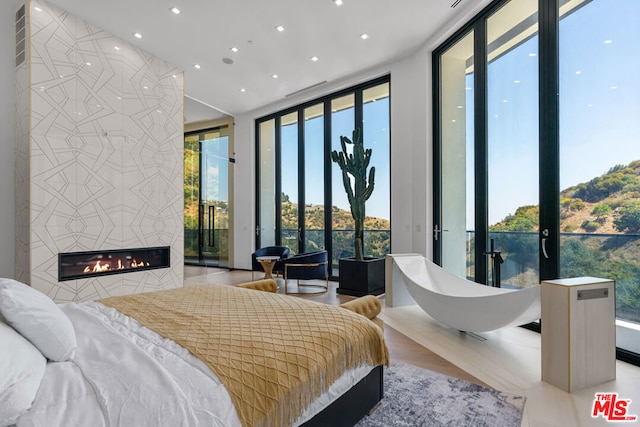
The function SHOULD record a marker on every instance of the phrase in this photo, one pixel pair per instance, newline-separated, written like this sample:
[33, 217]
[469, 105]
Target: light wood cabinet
[578, 332]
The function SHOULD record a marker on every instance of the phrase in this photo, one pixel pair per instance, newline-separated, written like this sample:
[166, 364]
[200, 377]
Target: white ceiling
[205, 30]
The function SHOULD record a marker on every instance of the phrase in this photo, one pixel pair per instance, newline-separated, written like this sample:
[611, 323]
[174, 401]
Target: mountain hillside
[607, 204]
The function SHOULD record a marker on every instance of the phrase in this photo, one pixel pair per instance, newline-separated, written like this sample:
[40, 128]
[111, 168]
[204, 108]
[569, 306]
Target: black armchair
[281, 251]
[312, 265]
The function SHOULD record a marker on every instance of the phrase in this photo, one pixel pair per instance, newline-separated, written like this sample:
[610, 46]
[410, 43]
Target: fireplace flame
[98, 267]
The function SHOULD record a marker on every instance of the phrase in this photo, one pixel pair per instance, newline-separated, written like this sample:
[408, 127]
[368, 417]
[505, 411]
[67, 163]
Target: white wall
[410, 156]
[7, 198]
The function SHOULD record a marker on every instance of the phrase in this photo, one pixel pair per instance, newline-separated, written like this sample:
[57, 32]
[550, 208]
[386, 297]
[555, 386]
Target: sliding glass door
[544, 155]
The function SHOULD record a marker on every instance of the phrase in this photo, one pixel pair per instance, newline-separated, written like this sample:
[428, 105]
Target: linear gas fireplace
[78, 265]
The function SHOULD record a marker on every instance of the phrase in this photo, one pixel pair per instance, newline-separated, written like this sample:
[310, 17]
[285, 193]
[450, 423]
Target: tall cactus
[354, 177]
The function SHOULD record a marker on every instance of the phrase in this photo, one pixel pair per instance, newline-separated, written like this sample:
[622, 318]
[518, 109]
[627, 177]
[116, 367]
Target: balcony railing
[611, 256]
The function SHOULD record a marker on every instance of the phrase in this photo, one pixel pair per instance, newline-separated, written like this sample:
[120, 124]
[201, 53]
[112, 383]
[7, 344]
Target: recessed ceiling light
[314, 58]
[89, 64]
[243, 90]
[280, 28]
[364, 36]
[197, 66]
[116, 48]
[338, 2]
[234, 49]
[608, 41]
[275, 76]
[175, 10]
[37, 8]
[137, 35]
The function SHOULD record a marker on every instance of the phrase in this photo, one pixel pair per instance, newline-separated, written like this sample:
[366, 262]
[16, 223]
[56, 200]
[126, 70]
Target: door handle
[200, 225]
[212, 224]
[543, 243]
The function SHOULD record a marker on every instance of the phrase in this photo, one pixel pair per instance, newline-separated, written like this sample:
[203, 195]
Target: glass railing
[609, 256]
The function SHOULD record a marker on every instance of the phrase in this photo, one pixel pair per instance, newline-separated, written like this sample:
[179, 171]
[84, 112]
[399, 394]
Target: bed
[211, 355]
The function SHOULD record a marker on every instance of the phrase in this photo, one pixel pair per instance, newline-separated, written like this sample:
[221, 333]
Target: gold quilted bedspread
[274, 354]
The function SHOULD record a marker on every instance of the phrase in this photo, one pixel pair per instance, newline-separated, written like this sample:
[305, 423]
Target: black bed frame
[353, 405]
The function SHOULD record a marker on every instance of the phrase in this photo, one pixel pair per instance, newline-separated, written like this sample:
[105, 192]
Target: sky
[599, 106]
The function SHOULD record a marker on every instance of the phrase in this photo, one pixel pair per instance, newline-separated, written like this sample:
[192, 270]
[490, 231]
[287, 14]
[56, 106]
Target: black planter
[358, 278]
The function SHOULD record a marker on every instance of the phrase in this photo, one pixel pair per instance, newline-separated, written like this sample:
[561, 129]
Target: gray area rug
[415, 396]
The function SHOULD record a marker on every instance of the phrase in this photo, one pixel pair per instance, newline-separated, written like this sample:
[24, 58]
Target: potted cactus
[359, 275]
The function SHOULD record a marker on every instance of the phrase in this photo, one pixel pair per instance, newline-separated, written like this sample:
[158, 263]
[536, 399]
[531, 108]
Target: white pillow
[37, 318]
[21, 371]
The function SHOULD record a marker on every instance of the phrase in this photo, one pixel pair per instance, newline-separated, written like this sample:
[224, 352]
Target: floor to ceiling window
[537, 148]
[512, 137]
[313, 232]
[600, 153]
[301, 202]
[206, 197]
[457, 178]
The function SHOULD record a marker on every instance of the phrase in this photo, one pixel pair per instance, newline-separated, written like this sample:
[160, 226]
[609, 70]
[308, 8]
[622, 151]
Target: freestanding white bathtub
[457, 302]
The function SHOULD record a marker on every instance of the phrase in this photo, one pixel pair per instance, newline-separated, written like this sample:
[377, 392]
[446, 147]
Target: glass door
[512, 145]
[207, 198]
[455, 221]
[486, 224]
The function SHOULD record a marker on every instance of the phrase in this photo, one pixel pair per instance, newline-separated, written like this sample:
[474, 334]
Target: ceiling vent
[306, 88]
[21, 41]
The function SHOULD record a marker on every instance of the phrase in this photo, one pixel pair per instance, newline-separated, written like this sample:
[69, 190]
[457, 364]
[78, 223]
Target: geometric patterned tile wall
[106, 163]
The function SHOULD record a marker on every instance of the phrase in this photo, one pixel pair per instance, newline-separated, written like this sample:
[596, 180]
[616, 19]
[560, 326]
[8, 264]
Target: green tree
[578, 259]
[628, 217]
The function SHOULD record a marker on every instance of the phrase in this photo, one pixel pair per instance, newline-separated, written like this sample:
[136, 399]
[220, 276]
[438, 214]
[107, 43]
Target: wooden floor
[401, 348]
